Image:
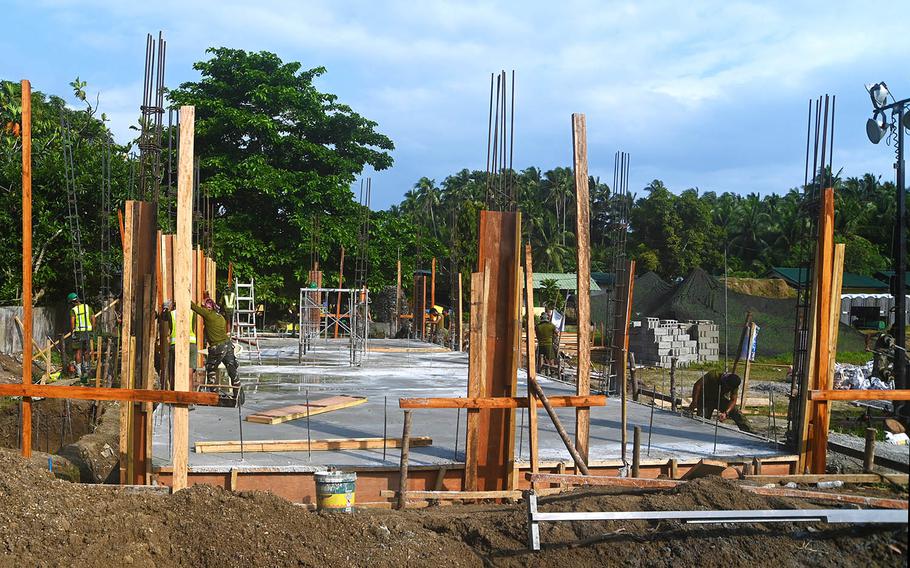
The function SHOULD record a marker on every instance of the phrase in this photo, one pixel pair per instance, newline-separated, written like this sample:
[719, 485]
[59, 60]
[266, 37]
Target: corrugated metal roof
[800, 276]
[564, 280]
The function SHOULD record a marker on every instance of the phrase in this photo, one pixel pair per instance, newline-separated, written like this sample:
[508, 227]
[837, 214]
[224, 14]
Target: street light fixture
[879, 127]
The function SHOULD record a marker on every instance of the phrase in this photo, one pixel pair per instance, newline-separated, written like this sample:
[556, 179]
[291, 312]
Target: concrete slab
[405, 369]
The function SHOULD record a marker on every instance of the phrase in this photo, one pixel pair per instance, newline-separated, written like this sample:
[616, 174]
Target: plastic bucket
[335, 490]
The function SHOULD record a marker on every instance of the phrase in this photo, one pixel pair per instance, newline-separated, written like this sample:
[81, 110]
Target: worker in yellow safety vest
[228, 303]
[169, 307]
[81, 324]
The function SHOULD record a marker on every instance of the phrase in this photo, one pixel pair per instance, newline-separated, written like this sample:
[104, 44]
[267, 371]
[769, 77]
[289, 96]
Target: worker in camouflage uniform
[717, 390]
[220, 346]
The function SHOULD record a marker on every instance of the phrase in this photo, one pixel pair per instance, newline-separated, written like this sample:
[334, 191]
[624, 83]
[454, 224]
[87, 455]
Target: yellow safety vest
[82, 313]
[229, 300]
[174, 329]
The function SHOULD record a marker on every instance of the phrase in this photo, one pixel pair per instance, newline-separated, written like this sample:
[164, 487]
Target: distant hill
[701, 296]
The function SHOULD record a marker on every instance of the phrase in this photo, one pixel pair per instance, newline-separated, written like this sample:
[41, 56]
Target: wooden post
[403, 469]
[869, 451]
[674, 468]
[26, 264]
[433, 283]
[530, 342]
[183, 266]
[341, 285]
[583, 252]
[633, 375]
[673, 383]
[813, 430]
[127, 344]
[636, 451]
[756, 466]
[477, 371]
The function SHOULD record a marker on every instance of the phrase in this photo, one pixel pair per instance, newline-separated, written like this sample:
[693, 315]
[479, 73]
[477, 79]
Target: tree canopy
[274, 152]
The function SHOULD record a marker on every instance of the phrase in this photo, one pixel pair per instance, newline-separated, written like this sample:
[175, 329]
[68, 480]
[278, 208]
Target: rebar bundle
[500, 177]
[618, 223]
[362, 259]
[152, 111]
[817, 176]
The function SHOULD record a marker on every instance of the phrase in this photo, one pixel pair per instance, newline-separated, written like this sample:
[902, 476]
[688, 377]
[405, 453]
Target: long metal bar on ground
[856, 394]
[881, 516]
[580, 464]
[465, 495]
[231, 446]
[501, 402]
[92, 393]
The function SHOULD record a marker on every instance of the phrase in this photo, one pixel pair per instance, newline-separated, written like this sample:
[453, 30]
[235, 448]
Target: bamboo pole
[583, 251]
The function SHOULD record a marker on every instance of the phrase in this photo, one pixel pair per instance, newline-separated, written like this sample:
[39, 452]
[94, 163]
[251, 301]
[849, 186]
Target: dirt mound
[762, 287]
[48, 522]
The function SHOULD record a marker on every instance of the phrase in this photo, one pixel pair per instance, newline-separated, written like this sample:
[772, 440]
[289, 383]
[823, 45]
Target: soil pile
[763, 287]
[48, 522]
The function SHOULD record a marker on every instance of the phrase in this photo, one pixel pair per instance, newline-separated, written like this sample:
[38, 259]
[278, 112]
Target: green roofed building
[853, 283]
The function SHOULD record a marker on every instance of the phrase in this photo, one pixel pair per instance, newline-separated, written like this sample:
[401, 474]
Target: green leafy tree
[274, 151]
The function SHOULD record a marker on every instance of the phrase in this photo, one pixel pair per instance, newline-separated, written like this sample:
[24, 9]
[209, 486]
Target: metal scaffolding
[318, 320]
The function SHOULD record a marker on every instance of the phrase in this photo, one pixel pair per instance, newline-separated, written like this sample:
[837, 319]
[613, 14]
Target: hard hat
[72, 297]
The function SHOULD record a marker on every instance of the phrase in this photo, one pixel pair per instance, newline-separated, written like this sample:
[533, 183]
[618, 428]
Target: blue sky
[701, 94]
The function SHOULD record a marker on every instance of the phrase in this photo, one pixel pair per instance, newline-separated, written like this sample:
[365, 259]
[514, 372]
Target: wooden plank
[821, 415]
[26, 132]
[857, 394]
[531, 350]
[233, 446]
[122, 394]
[502, 402]
[821, 496]
[499, 252]
[858, 478]
[460, 314]
[183, 266]
[583, 270]
[127, 345]
[603, 481]
[297, 411]
[706, 467]
[477, 371]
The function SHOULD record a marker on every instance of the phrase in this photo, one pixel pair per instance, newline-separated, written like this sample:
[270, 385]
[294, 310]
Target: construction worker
[717, 390]
[81, 325]
[221, 349]
[546, 335]
[229, 303]
[169, 308]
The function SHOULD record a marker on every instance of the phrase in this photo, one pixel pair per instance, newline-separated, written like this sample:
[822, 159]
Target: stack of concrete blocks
[707, 334]
[657, 342]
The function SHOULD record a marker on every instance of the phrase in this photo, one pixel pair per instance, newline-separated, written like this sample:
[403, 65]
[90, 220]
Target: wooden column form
[26, 264]
[819, 339]
[499, 243]
[819, 415]
[530, 341]
[477, 372]
[183, 266]
[624, 284]
[583, 296]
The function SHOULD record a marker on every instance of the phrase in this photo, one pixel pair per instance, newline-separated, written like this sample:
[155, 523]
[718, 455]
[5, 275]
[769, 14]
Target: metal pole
[900, 271]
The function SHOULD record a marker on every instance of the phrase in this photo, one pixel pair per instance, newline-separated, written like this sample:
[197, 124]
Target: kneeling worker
[718, 391]
[220, 347]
